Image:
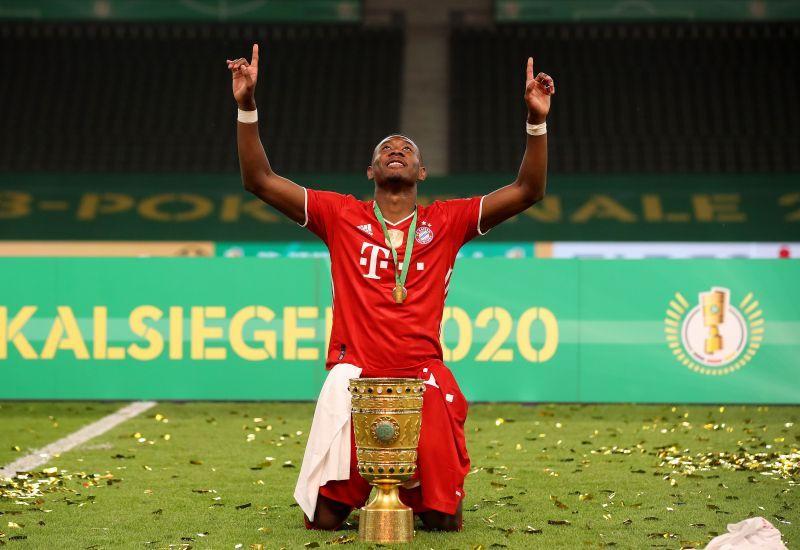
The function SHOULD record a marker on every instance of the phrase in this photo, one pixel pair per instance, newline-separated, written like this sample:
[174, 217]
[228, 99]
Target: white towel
[752, 533]
[327, 455]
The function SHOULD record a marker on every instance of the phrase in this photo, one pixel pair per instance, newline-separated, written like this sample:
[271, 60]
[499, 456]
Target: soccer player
[391, 264]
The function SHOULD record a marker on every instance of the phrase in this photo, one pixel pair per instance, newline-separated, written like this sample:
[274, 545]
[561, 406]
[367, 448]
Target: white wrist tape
[248, 117]
[536, 129]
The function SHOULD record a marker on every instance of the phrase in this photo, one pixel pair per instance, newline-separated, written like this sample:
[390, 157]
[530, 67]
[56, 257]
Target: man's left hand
[537, 94]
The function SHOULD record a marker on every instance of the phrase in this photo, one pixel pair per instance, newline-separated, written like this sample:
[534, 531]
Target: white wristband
[248, 117]
[536, 129]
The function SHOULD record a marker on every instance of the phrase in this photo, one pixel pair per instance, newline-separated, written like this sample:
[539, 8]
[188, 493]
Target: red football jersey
[370, 330]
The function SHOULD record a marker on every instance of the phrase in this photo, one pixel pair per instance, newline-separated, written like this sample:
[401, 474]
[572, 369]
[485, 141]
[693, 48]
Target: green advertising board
[645, 10]
[170, 10]
[700, 331]
[214, 207]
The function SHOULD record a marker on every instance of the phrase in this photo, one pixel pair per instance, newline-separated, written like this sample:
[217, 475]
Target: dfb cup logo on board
[424, 235]
[714, 337]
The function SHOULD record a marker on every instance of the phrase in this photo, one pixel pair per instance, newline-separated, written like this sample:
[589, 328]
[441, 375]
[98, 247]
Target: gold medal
[394, 239]
[399, 293]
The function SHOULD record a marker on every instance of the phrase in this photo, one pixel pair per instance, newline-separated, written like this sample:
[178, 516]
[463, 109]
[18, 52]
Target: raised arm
[529, 186]
[257, 174]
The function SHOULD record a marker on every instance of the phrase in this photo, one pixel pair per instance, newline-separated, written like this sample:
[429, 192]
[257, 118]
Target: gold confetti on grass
[32, 485]
[784, 465]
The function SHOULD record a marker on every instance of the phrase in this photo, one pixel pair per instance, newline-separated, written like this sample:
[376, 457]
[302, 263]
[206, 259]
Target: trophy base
[386, 520]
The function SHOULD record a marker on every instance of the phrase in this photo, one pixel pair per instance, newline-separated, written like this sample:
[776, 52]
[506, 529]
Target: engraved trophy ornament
[387, 416]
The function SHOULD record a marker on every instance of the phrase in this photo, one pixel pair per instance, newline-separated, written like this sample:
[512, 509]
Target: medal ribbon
[399, 279]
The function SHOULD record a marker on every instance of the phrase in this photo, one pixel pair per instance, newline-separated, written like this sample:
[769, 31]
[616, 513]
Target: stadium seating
[643, 97]
[155, 97]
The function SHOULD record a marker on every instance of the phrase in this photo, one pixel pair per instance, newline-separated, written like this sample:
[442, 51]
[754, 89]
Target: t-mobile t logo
[373, 259]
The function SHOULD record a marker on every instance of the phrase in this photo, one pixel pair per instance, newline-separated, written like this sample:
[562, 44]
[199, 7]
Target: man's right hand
[244, 76]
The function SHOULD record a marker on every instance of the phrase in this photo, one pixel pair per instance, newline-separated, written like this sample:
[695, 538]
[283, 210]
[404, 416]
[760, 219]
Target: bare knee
[439, 521]
[329, 514]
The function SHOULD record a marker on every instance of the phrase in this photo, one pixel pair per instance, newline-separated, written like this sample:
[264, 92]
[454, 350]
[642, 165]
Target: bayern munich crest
[424, 234]
[714, 337]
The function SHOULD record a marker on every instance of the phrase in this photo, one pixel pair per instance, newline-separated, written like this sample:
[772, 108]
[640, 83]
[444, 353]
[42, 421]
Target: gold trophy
[387, 416]
[714, 306]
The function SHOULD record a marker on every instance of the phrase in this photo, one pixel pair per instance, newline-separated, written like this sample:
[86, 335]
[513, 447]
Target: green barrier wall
[195, 10]
[644, 10]
[514, 330]
[756, 208]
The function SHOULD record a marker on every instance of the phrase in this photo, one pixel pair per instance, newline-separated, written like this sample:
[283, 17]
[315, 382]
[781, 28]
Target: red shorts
[442, 461]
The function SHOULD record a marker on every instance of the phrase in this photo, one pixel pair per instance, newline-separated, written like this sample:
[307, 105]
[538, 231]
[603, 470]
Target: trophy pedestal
[386, 520]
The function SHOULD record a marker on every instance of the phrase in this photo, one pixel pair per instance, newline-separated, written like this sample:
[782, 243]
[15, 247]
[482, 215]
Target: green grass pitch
[218, 475]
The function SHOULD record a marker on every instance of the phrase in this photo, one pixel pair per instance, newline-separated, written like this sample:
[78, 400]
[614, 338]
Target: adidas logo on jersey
[366, 228]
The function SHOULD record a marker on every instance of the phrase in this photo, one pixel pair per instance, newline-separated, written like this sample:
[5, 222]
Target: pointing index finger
[254, 59]
[530, 69]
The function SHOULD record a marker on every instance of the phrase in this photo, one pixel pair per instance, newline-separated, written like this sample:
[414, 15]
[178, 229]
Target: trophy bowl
[387, 416]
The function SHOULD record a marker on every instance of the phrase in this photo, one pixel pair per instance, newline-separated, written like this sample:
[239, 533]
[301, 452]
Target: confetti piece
[532, 530]
[196, 462]
[243, 506]
[343, 539]
[311, 545]
[558, 522]
[782, 519]
[662, 536]
[558, 504]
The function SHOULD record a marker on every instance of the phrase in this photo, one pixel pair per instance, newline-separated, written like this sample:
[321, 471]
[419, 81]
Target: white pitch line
[40, 456]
